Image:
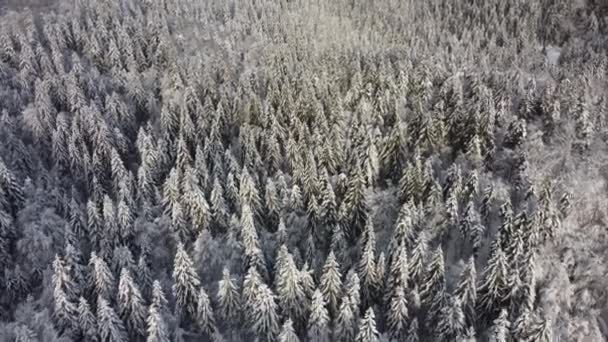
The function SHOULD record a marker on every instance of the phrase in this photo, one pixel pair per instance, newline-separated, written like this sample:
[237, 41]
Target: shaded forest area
[298, 170]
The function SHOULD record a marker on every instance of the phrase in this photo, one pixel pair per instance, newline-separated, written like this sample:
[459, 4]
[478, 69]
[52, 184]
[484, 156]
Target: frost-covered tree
[367, 328]
[110, 327]
[331, 283]
[87, 323]
[205, 319]
[318, 320]
[185, 282]
[288, 334]
[228, 297]
[265, 316]
[346, 322]
[156, 330]
[131, 305]
[101, 278]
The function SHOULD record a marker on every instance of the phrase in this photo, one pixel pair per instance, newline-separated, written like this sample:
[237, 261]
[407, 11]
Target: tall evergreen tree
[131, 307]
[331, 283]
[288, 334]
[185, 282]
[205, 318]
[110, 327]
[318, 321]
[367, 329]
[228, 297]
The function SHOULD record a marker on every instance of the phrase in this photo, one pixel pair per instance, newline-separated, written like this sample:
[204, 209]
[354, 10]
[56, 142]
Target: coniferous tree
[413, 331]
[87, 323]
[205, 318]
[288, 334]
[466, 291]
[110, 327]
[417, 265]
[185, 282]
[492, 290]
[265, 317]
[101, 278]
[228, 297]
[367, 328]
[331, 284]
[131, 307]
[500, 328]
[290, 292]
[397, 315]
[345, 324]
[318, 321]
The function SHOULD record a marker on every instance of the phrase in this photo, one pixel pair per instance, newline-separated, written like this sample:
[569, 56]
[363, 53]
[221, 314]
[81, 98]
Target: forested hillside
[303, 170]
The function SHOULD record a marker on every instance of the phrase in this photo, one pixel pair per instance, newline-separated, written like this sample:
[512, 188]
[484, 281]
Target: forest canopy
[299, 170]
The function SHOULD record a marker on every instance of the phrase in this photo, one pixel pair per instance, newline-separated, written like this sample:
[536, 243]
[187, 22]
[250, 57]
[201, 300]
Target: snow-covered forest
[303, 170]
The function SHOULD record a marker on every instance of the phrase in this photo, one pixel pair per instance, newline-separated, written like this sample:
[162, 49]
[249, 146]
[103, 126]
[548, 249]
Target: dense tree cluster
[296, 170]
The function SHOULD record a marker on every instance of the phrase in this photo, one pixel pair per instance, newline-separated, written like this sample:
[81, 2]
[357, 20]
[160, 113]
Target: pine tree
[131, 307]
[367, 267]
[205, 319]
[101, 278]
[413, 331]
[451, 323]
[158, 297]
[367, 329]
[493, 288]
[228, 297]
[345, 325]
[111, 328]
[540, 330]
[144, 276]
[87, 323]
[331, 284]
[250, 241]
[248, 191]
[290, 293]
[288, 334]
[356, 202]
[318, 322]
[397, 314]
[353, 291]
[417, 265]
[251, 286]
[65, 312]
[265, 317]
[500, 329]
[466, 291]
[435, 277]
[185, 282]
[397, 274]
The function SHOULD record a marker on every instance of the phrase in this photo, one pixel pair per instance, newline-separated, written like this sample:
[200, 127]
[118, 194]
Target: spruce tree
[367, 328]
[101, 278]
[205, 319]
[185, 282]
[228, 297]
[492, 290]
[110, 327]
[397, 315]
[345, 323]
[331, 284]
[290, 293]
[318, 321]
[466, 291]
[131, 307]
[265, 317]
[500, 328]
[417, 265]
[288, 334]
[87, 323]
